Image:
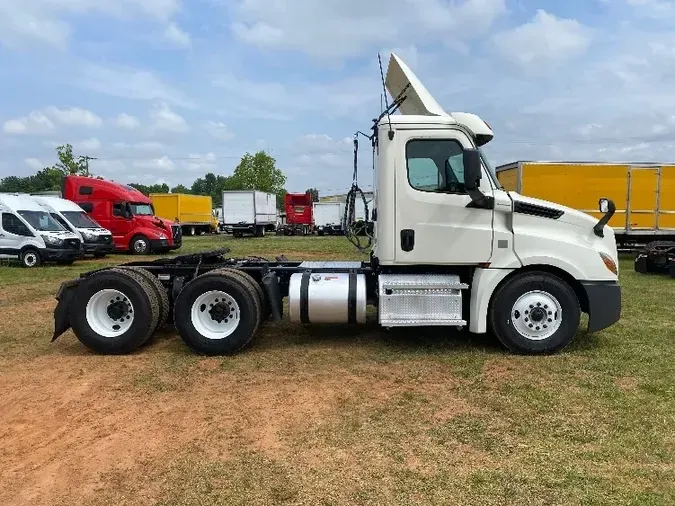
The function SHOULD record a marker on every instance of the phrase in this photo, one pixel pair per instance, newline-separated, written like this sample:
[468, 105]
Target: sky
[167, 90]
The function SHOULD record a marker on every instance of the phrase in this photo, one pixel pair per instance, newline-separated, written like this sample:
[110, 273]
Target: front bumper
[97, 247]
[61, 254]
[604, 303]
[160, 245]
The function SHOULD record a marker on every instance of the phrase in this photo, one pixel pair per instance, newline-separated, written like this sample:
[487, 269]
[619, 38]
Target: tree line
[256, 171]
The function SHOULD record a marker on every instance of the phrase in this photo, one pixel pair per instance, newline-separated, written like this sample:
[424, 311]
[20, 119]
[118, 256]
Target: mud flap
[65, 296]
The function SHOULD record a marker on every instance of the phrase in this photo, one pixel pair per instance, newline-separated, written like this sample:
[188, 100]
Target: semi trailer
[451, 248]
[194, 213]
[644, 193]
[328, 218]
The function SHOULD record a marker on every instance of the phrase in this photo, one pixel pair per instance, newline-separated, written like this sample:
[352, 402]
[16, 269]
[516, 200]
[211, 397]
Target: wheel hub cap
[215, 314]
[536, 315]
[220, 311]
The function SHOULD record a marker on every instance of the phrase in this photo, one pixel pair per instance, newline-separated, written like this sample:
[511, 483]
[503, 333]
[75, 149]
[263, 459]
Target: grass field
[335, 415]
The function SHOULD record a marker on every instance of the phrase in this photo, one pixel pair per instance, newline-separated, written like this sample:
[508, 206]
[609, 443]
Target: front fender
[151, 233]
[64, 296]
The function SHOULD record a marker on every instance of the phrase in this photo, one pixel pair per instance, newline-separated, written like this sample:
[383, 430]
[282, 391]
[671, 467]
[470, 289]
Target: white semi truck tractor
[450, 248]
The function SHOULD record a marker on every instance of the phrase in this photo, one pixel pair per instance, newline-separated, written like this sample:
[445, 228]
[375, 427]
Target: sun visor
[418, 99]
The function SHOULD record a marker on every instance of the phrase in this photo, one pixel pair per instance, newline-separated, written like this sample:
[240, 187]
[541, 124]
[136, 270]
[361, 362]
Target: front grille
[177, 234]
[71, 244]
[105, 239]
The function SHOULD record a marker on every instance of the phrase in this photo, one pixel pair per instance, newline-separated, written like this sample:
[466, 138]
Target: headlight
[88, 236]
[51, 240]
[161, 237]
[609, 263]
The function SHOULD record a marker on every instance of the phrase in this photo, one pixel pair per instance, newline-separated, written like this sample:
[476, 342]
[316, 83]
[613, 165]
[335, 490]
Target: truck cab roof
[103, 189]
[18, 202]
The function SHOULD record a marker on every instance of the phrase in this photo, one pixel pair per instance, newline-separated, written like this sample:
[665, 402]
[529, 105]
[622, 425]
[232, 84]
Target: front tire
[30, 258]
[217, 313]
[140, 245]
[535, 313]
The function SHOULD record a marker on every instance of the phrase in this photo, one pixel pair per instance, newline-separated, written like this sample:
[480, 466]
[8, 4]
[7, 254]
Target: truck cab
[96, 240]
[30, 234]
[126, 212]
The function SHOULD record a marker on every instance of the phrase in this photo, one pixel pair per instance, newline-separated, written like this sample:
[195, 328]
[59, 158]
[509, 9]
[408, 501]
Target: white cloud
[144, 146]
[127, 121]
[176, 36]
[162, 164]
[544, 40]
[74, 116]
[43, 21]
[126, 82]
[219, 130]
[34, 164]
[657, 9]
[34, 123]
[201, 163]
[92, 144]
[165, 120]
[342, 28]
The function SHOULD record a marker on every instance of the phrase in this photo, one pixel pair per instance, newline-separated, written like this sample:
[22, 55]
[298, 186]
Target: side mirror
[473, 171]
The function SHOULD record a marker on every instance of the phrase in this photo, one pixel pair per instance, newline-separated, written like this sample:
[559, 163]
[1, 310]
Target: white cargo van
[95, 239]
[31, 235]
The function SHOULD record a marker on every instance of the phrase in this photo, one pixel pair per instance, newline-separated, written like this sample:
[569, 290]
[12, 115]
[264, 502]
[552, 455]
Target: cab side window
[435, 165]
[118, 209]
[13, 225]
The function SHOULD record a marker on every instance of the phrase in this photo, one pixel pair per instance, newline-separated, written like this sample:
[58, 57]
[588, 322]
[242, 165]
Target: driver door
[433, 223]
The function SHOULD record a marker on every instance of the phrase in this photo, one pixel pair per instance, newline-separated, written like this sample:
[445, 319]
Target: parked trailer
[328, 218]
[643, 192]
[194, 213]
[451, 249]
[249, 212]
[299, 214]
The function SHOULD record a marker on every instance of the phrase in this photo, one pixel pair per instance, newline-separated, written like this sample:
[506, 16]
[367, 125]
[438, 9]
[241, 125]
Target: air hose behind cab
[350, 226]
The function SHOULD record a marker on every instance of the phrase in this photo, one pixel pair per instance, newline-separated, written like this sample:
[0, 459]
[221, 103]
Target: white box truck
[328, 218]
[249, 212]
[451, 248]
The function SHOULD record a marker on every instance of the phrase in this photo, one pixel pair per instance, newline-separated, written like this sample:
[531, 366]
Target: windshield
[80, 219]
[141, 209]
[42, 221]
[490, 168]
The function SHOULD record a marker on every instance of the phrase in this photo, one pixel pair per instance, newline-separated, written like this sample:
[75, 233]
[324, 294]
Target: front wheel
[30, 258]
[535, 313]
[140, 245]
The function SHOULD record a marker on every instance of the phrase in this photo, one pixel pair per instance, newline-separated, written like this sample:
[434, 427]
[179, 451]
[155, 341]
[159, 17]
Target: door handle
[407, 239]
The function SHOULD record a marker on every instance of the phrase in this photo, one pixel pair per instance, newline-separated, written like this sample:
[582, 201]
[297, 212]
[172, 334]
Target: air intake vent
[537, 210]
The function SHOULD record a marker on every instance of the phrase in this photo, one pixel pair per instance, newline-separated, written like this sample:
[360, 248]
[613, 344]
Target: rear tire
[217, 313]
[265, 309]
[535, 313]
[159, 289]
[114, 311]
[30, 258]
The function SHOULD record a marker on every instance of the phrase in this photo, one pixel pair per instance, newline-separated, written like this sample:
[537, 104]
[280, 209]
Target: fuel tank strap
[304, 297]
[351, 298]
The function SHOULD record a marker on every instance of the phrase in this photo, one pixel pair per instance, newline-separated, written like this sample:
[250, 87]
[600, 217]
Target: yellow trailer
[193, 212]
[644, 193]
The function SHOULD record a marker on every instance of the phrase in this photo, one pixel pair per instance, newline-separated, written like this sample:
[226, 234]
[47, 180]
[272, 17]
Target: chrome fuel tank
[323, 297]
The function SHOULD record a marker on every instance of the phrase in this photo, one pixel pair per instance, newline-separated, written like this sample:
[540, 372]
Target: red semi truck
[299, 214]
[126, 212]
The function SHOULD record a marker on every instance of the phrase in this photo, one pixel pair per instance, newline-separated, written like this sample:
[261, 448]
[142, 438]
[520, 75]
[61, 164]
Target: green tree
[259, 172]
[68, 164]
[214, 186]
[181, 189]
[314, 193]
[153, 188]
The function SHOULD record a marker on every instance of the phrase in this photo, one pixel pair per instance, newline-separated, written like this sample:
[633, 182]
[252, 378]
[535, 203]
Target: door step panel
[420, 299]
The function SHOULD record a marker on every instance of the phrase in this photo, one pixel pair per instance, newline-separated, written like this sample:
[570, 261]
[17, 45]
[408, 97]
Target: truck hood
[570, 216]
[60, 234]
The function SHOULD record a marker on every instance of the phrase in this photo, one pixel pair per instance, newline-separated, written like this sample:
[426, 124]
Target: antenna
[386, 101]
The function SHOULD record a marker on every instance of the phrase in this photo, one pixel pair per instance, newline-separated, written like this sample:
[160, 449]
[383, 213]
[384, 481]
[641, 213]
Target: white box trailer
[328, 218]
[249, 212]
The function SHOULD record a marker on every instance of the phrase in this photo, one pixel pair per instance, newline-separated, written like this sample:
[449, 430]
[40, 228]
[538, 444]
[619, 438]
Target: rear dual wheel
[219, 312]
[115, 311]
